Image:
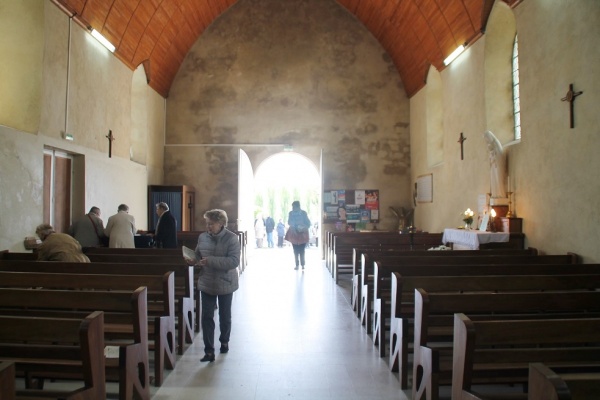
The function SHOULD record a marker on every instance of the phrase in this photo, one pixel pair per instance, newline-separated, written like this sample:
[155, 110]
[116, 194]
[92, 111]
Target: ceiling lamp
[454, 54]
[103, 40]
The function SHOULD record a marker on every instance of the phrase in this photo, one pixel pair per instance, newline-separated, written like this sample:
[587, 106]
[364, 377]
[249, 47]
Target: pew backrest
[58, 341]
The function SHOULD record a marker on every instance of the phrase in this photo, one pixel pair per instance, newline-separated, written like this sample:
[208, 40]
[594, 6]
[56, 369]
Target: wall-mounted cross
[570, 97]
[110, 138]
[461, 140]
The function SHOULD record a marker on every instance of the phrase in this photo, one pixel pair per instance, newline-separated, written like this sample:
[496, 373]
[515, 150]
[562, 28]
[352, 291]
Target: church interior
[195, 91]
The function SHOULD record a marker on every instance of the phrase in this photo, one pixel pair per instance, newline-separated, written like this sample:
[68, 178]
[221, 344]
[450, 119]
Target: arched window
[516, 95]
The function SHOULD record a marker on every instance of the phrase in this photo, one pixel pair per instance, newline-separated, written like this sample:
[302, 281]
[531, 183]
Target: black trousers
[209, 302]
[299, 253]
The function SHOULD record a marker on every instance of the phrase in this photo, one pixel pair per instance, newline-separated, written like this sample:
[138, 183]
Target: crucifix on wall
[110, 138]
[461, 140]
[570, 97]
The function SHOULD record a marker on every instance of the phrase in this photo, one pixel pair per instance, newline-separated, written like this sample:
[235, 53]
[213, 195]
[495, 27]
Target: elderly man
[58, 246]
[120, 228]
[165, 235]
[89, 229]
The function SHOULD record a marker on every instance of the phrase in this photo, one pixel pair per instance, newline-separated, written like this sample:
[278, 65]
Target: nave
[294, 336]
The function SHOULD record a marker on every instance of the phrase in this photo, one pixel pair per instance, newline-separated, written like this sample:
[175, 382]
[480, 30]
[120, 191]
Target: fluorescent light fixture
[454, 54]
[103, 40]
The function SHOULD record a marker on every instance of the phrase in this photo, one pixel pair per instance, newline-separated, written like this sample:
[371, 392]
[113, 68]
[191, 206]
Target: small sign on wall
[425, 188]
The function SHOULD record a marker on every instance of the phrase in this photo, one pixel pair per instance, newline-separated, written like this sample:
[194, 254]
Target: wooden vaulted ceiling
[159, 33]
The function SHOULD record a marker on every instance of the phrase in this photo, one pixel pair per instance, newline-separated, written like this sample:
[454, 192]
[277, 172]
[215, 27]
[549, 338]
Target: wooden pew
[160, 323]
[400, 307]
[367, 270]
[402, 310]
[433, 323]
[503, 349]
[391, 251]
[62, 345]
[7, 380]
[125, 325]
[545, 384]
[161, 313]
[185, 292]
[190, 308]
[343, 244]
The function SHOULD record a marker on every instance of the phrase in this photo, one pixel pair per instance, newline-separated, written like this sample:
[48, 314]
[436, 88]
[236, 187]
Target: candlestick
[509, 214]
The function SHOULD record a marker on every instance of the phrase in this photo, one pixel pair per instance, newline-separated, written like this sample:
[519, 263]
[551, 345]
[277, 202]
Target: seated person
[58, 246]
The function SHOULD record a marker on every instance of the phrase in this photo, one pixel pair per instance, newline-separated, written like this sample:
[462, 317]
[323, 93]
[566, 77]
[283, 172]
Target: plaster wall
[303, 73]
[553, 168]
[85, 91]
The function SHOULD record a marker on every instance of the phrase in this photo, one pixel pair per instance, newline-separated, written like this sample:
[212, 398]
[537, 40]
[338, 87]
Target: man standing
[165, 235]
[270, 226]
[89, 229]
[120, 228]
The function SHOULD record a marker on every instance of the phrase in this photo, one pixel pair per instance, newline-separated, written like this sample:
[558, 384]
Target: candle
[508, 183]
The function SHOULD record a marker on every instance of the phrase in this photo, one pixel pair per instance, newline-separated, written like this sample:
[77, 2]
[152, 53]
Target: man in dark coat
[165, 235]
[270, 227]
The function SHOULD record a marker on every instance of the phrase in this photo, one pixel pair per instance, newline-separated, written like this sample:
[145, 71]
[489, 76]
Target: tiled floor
[294, 336]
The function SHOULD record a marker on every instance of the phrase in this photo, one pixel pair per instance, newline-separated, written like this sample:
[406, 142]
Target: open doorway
[281, 179]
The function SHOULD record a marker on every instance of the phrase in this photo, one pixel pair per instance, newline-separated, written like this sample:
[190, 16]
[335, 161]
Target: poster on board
[351, 206]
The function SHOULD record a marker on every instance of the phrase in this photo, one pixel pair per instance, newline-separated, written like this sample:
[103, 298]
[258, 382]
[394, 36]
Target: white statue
[497, 166]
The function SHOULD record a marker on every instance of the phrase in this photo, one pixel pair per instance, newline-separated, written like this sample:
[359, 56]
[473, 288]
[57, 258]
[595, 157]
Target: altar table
[463, 239]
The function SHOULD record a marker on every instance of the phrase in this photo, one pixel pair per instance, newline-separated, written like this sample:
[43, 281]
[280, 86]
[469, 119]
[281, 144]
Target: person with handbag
[297, 233]
[89, 229]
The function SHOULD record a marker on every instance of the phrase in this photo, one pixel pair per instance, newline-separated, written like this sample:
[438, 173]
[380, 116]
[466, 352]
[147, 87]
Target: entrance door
[58, 172]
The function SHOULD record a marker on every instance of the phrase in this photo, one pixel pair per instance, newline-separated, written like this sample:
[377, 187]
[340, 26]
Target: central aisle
[294, 336]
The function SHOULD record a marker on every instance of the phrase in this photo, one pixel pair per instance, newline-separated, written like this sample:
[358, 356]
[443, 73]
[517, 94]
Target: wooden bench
[501, 350]
[545, 384]
[400, 306]
[7, 380]
[51, 347]
[422, 262]
[186, 293]
[161, 310]
[160, 330]
[190, 310]
[433, 323]
[375, 253]
[402, 310]
[343, 245]
[125, 325]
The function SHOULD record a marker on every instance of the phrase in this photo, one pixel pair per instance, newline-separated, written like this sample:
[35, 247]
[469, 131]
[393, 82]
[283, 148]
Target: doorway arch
[282, 178]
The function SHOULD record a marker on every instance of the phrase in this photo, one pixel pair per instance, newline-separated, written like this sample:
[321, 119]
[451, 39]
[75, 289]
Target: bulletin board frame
[351, 206]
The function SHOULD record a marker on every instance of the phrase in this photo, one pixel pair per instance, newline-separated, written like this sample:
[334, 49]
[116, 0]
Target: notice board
[351, 205]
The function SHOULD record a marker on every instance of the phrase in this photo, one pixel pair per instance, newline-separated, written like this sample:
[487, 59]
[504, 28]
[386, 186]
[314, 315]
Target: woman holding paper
[218, 255]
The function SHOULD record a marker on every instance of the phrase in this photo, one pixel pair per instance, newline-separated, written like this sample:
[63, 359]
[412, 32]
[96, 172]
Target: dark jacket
[166, 231]
[270, 224]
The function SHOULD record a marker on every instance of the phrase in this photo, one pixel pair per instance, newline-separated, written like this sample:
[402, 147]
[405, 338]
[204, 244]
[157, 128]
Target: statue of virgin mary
[497, 166]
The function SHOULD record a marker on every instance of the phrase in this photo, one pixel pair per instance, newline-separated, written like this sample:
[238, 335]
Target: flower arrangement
[468, 217]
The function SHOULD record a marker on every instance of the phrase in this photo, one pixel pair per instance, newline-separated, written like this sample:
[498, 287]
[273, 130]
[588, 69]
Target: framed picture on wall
[424, 188]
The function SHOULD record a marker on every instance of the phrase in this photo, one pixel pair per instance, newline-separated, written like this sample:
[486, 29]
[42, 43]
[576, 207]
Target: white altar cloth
[471, 239]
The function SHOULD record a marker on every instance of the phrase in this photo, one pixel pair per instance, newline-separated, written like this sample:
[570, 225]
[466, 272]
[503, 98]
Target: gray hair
[163, 206]
[44, 230]
[216, 215]
[123, 207]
